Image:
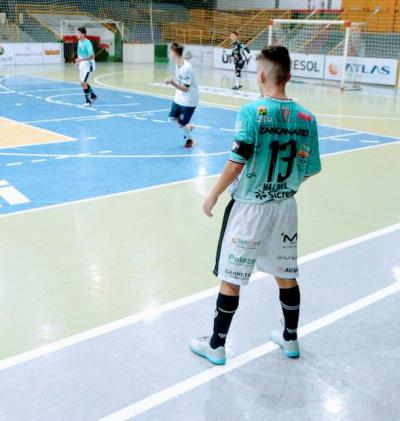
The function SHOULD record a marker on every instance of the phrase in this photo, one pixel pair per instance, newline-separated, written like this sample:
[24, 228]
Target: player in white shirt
[186, 95]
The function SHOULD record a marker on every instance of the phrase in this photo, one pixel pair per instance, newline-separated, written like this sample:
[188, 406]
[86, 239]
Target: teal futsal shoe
[289, 348]
[201, 346]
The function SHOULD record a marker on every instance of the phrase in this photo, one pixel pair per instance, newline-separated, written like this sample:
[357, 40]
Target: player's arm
[186, 78]
[231, 171]
[242, 150]
[314, 160]
[183, 88]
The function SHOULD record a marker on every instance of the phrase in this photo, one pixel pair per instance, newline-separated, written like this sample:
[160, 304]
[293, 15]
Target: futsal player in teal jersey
[274, 152]
[87, 65]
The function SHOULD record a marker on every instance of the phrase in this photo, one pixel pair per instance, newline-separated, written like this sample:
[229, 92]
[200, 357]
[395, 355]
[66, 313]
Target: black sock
[290, 302]
[87, 95]
[92, 94]
[224, 312]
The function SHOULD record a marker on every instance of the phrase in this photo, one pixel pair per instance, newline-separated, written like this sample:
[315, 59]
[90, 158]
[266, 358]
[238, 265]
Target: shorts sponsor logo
[286, 269]
[241, 260]
[245, 243]
[287, 258]
[289, 240]
[283, 131]
[304, 116]
[237, 274]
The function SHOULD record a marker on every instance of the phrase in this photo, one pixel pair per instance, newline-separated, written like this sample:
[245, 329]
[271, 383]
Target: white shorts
[86, 70]
[261, 235]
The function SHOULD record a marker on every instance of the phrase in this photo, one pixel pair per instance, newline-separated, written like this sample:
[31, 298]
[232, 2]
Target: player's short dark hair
[177, 48]
[82, 30]
[234, 32]
[279, 56]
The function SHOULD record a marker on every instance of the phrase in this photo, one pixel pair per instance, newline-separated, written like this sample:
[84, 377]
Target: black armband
[243, 149]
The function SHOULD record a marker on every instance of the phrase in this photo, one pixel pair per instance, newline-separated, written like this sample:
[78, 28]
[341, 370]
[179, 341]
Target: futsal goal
[324, 50]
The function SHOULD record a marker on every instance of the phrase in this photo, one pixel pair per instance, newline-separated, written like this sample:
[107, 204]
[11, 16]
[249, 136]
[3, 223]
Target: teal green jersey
[277, 140]
[85, 49]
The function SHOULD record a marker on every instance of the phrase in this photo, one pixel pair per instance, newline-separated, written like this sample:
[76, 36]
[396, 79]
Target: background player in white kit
[87, 65]
[275, 150]
[186, 95]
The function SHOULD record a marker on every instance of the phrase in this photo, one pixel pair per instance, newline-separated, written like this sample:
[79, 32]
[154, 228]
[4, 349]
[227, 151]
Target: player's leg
[235, 260]
[289, 296]
[84, 73]
[238, 75]
[213, 347]
[93, 96]
[184, 123]
[282, 263]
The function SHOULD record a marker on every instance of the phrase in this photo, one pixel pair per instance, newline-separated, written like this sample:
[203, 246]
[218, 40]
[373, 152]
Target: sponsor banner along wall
[199, 55]
[311, 66]
[6, 54]
[31, 53]
[362, 69]
[378, 71]
[222, 60]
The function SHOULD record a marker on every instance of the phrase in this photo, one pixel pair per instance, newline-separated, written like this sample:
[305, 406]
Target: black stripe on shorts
[225, 220]
[87, 76]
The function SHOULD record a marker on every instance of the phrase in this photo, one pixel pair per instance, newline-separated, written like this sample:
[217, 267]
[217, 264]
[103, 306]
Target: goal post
[335, 42]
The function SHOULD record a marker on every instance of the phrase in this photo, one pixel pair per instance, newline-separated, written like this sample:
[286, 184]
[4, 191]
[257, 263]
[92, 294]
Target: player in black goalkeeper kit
[239, 51]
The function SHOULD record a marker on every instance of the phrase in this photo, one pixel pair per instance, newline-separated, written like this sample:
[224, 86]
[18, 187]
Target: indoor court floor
[106, 256]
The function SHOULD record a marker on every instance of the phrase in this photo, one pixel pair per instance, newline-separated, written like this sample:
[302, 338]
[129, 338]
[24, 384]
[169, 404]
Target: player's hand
[208, 204]
[168, 81]
[77, 60]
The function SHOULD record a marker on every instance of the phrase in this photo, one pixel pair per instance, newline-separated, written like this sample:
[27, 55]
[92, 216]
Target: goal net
[321, 50]
[110, 33]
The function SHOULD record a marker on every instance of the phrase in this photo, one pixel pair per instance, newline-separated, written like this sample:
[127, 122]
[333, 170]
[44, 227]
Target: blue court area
[123, 143]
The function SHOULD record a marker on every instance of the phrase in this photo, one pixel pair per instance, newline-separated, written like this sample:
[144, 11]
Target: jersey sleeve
[314, 161]
[89, 49]
[186, 77]
[243, 146]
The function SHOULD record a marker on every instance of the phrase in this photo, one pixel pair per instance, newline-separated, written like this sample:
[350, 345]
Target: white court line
[364, 148]
[91, 117]
[352, 117]
[44, 90]
[205, 104]
[38, 160]
[206, 376]
[13, 164]
[158, 186]
[227, 130]
[225, 106]
[337, 138]
[126, 156]
[155, 311]
[369, 141]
